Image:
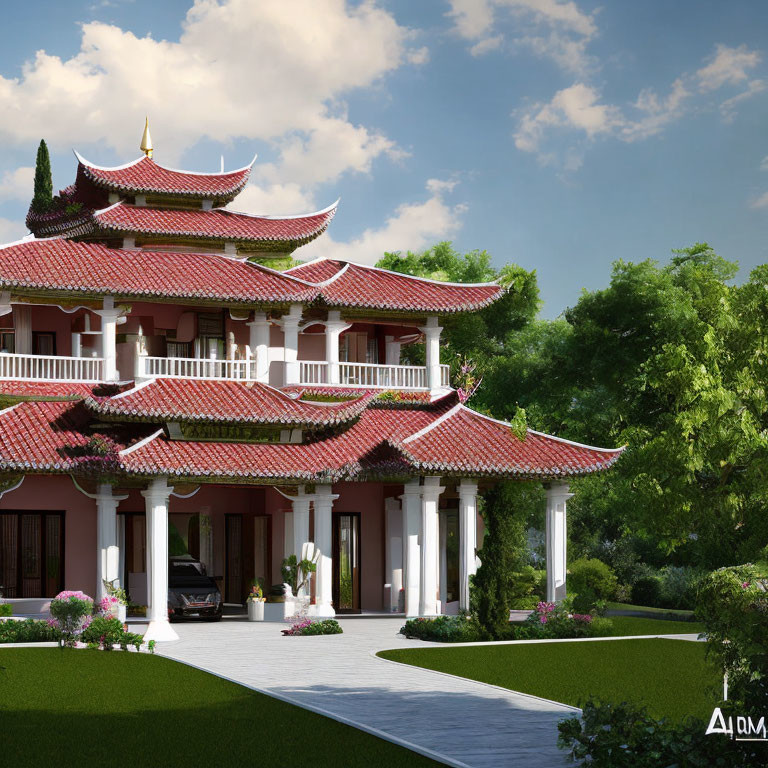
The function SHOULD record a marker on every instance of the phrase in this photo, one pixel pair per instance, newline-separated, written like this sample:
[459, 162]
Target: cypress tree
[505, 513]
[43, 197]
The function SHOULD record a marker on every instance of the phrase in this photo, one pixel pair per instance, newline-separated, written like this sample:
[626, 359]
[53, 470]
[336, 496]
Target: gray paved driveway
[462, 721]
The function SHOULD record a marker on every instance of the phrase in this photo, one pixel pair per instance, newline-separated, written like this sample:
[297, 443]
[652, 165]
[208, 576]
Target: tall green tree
[43, 196]
[479, 336]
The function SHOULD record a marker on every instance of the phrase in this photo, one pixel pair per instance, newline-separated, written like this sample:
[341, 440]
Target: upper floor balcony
[144, 341]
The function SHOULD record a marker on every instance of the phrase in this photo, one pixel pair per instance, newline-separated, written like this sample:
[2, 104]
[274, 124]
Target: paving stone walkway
[464, 723]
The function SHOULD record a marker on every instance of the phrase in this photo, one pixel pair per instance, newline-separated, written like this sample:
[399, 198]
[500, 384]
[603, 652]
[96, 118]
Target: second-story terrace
[83, 312]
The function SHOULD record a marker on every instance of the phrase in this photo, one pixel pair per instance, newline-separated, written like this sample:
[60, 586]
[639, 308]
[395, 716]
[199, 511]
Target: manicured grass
[634, 625]
[92, 708]
[671, 677]
[649, 609]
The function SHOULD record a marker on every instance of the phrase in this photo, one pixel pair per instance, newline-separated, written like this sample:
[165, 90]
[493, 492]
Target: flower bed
[308, 627]
[548, 621]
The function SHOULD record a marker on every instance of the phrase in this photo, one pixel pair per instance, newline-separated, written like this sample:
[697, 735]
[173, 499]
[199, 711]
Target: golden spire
[146, 140]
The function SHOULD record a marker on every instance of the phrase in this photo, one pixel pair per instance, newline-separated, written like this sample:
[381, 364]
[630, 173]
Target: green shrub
[679, 585]
[557, 621]
[526, 587]
[733, 605]
[625, 736]
[647, 591]
[28, 631]
[309, 627]
[443, 629]
[6, 609]
[593, 581]
[107, 632]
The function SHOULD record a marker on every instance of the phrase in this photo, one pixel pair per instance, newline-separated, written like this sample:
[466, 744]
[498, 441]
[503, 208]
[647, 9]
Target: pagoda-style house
[165, 393]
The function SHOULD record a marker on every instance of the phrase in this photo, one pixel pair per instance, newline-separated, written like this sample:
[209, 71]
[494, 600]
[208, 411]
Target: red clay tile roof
[216, 224]
[465, 441]
[40, 435]
[223, 402]
[442, 439]
[144, 176]
[56, 389]
[347, 455]
[344, 284]
[65, 265]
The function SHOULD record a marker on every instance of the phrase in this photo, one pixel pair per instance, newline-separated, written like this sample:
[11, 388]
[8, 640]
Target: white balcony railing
[51, 368]
[195, 368]
[371, 375]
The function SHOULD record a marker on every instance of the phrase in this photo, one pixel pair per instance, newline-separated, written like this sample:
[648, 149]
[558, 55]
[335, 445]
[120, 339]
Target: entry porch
[407, 548]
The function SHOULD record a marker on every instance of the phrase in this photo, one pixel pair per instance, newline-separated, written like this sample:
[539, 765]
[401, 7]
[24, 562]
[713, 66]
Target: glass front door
[346, 562]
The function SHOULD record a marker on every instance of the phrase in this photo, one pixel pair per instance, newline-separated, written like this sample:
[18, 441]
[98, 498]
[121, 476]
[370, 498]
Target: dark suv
[191, 593]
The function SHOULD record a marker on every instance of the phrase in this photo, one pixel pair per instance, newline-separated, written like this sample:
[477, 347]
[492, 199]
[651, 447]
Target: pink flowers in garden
[108, 604]
[544, 610]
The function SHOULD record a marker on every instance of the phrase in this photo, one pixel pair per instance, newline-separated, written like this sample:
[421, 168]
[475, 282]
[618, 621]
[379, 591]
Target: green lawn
[91, 708]
[634, 625]
[649, 609]
[670, 677]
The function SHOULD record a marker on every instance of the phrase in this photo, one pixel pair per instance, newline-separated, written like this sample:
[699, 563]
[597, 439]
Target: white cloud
[575, 107]
[10, 231]
[239, 70]
[728, 107]
[412, 226]
[727, 66]
[555, 29]
[17, 184]
[760, 202]
[579, 111]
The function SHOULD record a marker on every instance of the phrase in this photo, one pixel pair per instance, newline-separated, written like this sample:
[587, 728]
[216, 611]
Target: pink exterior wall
[40, 493]
[55, 494]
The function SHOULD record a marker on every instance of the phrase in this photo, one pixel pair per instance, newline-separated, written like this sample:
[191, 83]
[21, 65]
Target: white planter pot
[122, 611]
[255, 610]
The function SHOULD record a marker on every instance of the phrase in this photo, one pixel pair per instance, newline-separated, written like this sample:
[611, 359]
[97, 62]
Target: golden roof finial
[146, 140]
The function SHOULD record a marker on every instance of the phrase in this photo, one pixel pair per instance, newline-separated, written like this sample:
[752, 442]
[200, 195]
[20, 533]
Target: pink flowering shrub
[71, 613]
[556, 620]
[309, 627]
[108, 605]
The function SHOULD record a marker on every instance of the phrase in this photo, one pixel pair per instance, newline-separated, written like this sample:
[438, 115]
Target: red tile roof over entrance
[465, 441]
[345, 284]
[197, 400]
[145, 176]
[443, 438]
[66, 265]
[216, 224]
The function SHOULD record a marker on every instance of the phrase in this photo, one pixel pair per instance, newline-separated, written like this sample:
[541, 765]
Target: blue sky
[557, 135]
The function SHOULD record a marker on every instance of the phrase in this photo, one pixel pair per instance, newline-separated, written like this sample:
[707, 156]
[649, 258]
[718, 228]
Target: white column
[411, 499]
[557, 496]
[430, 493]
[77, 344]
[467, 538]
[324, 498]
[300, 526]
[108, 558]
[156, 500]
[393, 551]
[290, 325]
[259, 344]
[22, 326]
[431, 333]
[109, 316]
[334, 326]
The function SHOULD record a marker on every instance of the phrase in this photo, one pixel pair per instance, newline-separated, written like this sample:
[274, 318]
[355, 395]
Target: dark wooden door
[31, 554]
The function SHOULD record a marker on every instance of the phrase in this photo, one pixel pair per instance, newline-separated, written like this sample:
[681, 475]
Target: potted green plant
[255, 602]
